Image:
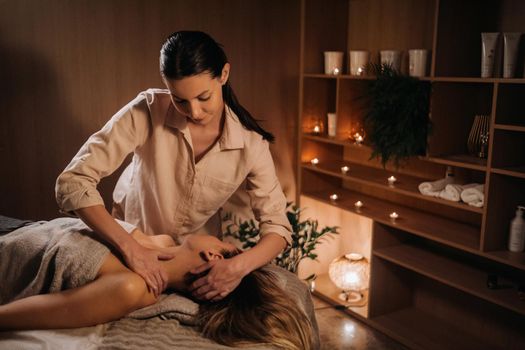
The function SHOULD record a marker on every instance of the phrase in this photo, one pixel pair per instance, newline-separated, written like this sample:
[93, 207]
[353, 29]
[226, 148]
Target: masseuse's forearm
[268, 247]
[98, 219]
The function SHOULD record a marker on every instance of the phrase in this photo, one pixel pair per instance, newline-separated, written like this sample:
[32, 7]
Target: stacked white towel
[452, 192]
[434, 188]
[474, 195]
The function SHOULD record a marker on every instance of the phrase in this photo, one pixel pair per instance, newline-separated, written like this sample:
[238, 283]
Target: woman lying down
[57, 275]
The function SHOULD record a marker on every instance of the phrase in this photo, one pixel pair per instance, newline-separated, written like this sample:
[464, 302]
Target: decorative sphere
[350, 272]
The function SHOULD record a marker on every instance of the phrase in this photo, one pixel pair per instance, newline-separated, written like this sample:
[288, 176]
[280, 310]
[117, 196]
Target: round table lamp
[350, 273]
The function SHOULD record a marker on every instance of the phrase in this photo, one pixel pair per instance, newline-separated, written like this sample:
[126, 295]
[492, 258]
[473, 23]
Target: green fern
[397, 121]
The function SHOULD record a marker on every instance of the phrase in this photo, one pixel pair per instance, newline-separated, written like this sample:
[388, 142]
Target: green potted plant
[305, 237]
[397, 119]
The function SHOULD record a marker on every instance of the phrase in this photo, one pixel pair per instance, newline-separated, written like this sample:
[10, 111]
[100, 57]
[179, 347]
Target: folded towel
[452, 192]
[474, 195]
[433, 188]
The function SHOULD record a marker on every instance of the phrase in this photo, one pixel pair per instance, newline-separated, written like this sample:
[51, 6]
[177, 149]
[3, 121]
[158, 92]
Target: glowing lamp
[350, 273]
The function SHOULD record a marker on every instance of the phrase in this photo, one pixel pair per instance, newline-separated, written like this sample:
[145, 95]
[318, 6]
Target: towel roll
[474, 195]
[433, 188]
[452, 192]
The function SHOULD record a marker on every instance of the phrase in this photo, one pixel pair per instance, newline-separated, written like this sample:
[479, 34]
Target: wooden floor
[340, 331]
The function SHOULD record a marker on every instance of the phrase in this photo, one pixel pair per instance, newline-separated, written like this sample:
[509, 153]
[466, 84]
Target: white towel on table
[433, 188]
[474, 195]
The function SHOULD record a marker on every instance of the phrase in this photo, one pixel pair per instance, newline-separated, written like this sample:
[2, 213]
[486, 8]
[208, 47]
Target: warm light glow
[344, 169]
[358, 138]
[350, 273]
[335, 71]
[358, 205]
[317, 129]
[360, 71]
[334, 197]
[314, 161]
[349, 329]
[393, 215]
[392, 180]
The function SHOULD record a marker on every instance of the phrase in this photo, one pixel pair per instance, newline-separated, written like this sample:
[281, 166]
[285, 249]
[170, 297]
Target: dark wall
[67, 66]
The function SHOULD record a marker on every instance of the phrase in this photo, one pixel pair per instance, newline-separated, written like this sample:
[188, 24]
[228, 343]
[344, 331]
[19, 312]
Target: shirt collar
[232, 133]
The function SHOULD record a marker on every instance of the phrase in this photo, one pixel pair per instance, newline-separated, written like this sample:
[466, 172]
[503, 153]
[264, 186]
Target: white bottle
[517, 231]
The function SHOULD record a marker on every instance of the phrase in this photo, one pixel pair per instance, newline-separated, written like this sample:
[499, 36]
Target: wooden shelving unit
[405, 184]
[429, 267]
[467, 278]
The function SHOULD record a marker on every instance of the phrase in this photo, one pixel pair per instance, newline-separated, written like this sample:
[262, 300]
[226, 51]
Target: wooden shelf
[459, 160]
[431, 226]
[431, 79]
[421, 330]
[509, 127]
[339, 76]
[319, 75]
[326, 290]
[518, 171]
[506, 257]
[331, 140]
[405, 184]
[477, 80]
[455, 274]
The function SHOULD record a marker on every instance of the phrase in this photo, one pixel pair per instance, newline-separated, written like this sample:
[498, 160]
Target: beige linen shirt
[163, 190]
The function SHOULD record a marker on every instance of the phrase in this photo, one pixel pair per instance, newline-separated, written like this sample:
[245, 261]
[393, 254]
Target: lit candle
[393, 216]
[317, 129]
[344, 169]
[335, 71]
[333, 197]
[392, 180]
[314, 161]
[358, 205]
[358, 138]
[360, 71]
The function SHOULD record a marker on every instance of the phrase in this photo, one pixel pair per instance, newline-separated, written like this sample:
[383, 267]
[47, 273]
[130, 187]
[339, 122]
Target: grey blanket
[46, 257]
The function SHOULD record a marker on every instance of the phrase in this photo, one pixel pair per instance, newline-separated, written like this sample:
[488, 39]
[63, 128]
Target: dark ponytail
[188, 53]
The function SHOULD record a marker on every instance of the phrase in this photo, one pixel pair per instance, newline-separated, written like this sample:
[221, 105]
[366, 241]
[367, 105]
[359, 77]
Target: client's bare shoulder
[134, 290]
[153, 242]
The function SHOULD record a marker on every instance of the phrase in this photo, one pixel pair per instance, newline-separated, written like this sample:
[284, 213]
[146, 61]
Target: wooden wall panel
[67, 66]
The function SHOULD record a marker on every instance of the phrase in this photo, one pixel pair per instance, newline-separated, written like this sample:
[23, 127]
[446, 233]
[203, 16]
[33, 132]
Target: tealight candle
[358, 138]
[360, 71]
[392, 180]
[317, 129]
[393, 215]
[344, 169]
[335, 71]
[358, 205]
[314, 161]
[333, 197]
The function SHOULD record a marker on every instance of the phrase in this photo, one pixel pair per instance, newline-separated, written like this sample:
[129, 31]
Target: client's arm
[109, 297]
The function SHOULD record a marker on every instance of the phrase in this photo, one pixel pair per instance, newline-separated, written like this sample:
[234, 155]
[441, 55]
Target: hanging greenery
[397, 121]
[305, 237]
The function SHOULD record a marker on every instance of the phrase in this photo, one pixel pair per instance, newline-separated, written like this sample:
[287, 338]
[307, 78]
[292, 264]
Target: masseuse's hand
[145, 262]
[223, 277]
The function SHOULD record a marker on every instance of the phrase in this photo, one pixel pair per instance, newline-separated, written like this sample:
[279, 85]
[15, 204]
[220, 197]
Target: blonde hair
[257, 311]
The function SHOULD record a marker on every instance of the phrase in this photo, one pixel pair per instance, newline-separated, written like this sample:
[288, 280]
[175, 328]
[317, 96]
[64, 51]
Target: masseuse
[193, 145]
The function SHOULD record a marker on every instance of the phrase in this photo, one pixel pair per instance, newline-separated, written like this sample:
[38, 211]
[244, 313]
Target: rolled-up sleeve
[267, 198]
[101, 155]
